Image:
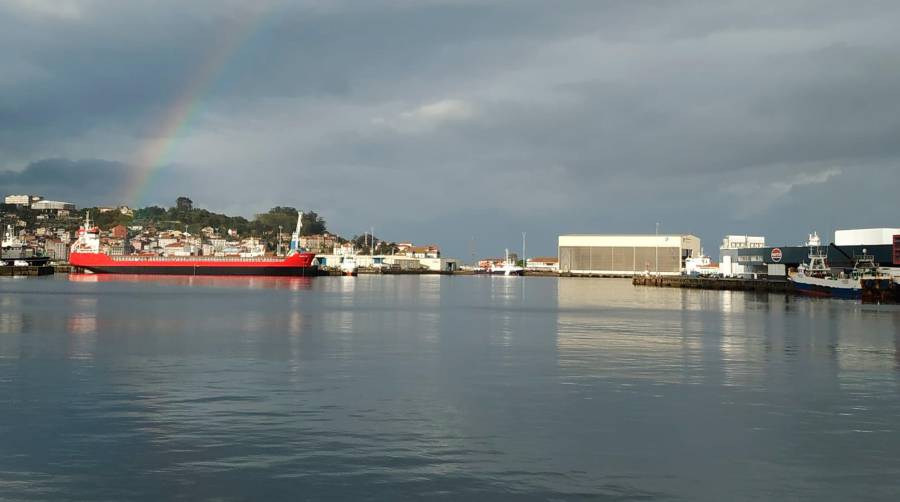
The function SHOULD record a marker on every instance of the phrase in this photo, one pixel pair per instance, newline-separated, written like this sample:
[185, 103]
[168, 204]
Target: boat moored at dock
[349, 266]
[86, 256]
[817, 279]
[15, 253]
[508, 267]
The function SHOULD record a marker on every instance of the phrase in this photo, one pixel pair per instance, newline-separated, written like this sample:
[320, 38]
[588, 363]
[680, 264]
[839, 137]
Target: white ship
[507, 268]
[17, 253]
[349, 266]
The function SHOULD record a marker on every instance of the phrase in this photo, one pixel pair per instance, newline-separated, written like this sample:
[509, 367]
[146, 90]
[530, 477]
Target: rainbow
[155, 151]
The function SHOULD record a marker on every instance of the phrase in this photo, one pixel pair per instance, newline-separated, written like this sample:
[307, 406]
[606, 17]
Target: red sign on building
[776, 255]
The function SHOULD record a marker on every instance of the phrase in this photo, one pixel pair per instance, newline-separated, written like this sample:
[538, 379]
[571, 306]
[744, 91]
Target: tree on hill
[108, 219]
[313, 224]
[149, 214]
[364, 244]
[193, 219]
[285, 217]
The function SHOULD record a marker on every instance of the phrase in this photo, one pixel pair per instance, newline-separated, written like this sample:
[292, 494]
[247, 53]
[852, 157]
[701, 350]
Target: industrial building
[729, 266]
[542, 264]
[396, 262]
[865, 236]
[882, 243]
[625, 255]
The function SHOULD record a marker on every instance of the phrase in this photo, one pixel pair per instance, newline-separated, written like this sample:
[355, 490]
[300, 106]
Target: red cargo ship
[85, 255]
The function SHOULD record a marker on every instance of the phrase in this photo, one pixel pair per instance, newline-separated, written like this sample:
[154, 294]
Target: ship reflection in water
[224, 281]
[488, 388]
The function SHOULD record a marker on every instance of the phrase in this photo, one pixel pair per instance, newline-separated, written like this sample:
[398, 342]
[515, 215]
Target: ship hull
[820, 288]
[291, 266]
[507, 272]
[209, 270]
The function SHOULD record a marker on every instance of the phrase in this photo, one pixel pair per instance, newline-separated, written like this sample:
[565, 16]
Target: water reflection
[246, 282]
[368, 387]
[638, 339]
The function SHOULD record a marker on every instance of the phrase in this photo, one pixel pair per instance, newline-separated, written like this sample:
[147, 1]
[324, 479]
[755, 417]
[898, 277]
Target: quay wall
[732, 284]
[29, 271]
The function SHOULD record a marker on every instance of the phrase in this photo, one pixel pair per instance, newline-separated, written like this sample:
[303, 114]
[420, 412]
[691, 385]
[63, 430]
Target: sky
[464, 123]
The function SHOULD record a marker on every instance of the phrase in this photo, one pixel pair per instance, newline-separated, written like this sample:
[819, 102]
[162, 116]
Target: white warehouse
[626, 255]
[865, 236]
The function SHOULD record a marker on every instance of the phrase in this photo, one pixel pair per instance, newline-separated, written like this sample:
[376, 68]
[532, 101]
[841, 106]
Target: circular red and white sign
[776, 255]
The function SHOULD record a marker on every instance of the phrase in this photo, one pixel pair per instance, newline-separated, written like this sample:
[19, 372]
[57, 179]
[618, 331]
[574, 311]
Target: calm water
[442, 387]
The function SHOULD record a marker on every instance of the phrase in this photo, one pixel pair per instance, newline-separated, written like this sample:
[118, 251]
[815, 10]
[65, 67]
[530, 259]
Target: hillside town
[39, 227]
[49, 228]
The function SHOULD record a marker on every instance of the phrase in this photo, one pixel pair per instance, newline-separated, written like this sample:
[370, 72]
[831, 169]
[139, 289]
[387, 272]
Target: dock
[8, 270]
[730, 284]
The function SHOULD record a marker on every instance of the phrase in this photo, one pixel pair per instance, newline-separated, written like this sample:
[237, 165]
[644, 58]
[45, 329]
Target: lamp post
[524, 258]
[656, 248]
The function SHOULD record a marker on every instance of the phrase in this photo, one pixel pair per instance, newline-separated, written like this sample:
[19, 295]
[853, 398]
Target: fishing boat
[816, 278]
[15, 252]
[508, 267]
[86, 256]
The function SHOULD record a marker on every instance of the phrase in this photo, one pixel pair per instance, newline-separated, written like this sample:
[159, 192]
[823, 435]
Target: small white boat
[507, 268]
[349, 266]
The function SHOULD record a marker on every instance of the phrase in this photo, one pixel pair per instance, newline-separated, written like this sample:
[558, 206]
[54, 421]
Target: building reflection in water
[12, 319]
[609, 329]
[81, 327]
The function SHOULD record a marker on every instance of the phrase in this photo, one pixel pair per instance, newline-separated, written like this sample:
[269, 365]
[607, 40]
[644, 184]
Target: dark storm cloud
[91, 181]
[451, 119]
[86, 182]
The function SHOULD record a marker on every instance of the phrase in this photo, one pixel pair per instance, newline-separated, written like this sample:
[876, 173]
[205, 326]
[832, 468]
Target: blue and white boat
[816, 278]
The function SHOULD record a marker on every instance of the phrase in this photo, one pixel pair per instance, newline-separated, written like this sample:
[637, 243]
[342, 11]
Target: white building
[164, 242]
[218, 244]
[18, 200]
[402, 262]
[728, 254]
[544, 264]
[743, 242]
[440, 264]
[52, 205]
[396, 262]
[865, 236]
[626, 255]
[700, 265]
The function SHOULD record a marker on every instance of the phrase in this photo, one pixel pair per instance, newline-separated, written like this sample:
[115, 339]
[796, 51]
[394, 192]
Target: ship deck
[194, 259]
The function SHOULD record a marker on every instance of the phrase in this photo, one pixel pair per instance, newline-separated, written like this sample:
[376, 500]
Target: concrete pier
[28, 271]
[733, 284]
